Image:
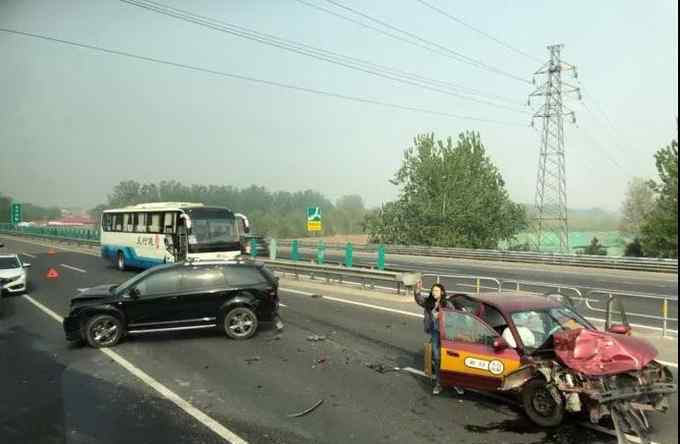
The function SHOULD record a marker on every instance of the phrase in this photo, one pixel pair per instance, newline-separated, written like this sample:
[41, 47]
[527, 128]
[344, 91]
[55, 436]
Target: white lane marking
[71, 267]
[197, 414]
[45, 310]
[360, 304]
[32, 256]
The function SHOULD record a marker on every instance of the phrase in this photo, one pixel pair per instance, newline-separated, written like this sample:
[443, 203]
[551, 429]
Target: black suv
[231, 296]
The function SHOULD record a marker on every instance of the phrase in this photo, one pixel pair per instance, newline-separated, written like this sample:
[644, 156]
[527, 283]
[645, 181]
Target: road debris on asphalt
[304, 412]
[316, 338]
[252, 359]
[381, 368]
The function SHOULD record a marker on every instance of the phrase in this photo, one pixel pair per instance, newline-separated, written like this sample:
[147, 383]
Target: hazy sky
[74, 122]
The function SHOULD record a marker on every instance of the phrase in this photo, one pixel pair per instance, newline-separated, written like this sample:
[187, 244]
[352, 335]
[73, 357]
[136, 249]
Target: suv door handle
[452, 353]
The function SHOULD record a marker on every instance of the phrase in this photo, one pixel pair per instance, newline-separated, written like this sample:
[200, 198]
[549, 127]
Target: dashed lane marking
[71, 267]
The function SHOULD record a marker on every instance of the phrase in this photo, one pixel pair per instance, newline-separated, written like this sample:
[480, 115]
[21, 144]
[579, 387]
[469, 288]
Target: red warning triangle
[52, 273]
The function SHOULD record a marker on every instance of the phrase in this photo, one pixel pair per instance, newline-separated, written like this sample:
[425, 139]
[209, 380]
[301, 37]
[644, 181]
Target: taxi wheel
[539, 404]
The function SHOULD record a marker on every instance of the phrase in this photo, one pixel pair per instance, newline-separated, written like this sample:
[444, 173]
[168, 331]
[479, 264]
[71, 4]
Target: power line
[435, 50]
[479, 31]
[459, 56]
[313, 52]
[262, 81]
[607, 121]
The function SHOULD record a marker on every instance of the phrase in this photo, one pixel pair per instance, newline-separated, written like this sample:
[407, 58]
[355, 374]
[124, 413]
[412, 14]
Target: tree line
[279, 214]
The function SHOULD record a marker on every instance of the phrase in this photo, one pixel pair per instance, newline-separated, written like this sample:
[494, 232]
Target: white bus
[144, 235]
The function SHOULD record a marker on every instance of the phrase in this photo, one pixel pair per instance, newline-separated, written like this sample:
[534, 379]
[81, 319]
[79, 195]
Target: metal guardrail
[612, 262]
[589, 300]
[90, 237]
[477, 280]
[662, 303]
[344, 274]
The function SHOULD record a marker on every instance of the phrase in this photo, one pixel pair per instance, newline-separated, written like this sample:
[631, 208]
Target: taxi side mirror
[26, 265]
[500, 344]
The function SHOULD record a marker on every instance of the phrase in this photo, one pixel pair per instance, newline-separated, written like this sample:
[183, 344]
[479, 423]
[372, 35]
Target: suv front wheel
[103, 331]
[240, 323]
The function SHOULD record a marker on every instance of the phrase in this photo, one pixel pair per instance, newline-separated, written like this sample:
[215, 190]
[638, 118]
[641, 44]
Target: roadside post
[321, 252]
[380, 262]
[253, 248]
[348, 255]
[294, 254]
[272, 249]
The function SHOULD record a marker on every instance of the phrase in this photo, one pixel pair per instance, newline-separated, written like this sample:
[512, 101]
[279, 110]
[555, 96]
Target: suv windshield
[8, 263]
[535, 327]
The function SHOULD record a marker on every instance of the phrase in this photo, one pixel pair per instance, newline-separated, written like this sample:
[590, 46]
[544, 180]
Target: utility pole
[551, 183]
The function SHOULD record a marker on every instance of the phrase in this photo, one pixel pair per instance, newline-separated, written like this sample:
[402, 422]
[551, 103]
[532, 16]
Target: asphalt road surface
[54, 392]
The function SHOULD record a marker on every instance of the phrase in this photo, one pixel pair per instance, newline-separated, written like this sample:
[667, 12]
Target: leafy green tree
[638, 204]
[451, 194]
[595, 248]
[634, 248]
[660, 226]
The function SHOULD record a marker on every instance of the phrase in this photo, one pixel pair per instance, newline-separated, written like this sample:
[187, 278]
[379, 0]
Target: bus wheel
[120, 261]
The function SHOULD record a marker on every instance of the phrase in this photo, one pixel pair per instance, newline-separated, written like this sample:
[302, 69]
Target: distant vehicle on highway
[555, 361]
[231, 296]
[261, 244]
[13, 274]
[145, 235]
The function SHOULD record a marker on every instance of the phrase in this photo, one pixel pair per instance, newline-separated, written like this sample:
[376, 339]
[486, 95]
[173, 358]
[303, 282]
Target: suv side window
[242, 276]
[202, 279]
[159, 283]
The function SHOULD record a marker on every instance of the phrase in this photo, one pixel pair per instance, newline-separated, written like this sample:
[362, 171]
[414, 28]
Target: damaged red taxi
[556, 361]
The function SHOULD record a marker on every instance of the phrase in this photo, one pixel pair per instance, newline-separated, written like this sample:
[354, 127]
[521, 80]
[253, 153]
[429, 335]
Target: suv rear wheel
[240, 323]
[103, 331]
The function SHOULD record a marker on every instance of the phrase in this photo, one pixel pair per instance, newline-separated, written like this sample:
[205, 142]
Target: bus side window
[154, 222]
[140, 222]
[107, 222]
[118, 222]
[169, 223]
[129, 226]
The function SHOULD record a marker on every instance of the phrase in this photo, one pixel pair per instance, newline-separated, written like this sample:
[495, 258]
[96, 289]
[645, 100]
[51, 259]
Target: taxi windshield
[535, 327]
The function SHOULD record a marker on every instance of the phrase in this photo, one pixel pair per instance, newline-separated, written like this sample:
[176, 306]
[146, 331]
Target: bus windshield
[212, 229]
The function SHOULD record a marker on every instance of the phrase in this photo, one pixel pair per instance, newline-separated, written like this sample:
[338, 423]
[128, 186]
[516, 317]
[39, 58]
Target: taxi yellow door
[468, 357]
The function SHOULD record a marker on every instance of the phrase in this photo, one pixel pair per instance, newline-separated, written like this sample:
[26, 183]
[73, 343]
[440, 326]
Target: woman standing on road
[432, 305]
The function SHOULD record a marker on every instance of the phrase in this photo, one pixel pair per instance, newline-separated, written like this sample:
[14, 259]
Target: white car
[13, 274]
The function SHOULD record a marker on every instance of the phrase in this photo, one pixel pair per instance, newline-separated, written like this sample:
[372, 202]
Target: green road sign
[314, 219]
[15, 214]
